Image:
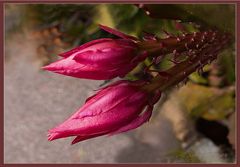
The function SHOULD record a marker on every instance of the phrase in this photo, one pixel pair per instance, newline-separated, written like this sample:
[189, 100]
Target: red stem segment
[202, 48]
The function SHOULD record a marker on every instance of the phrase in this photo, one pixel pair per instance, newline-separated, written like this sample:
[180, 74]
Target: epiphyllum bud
[100, 59]
[117, 108]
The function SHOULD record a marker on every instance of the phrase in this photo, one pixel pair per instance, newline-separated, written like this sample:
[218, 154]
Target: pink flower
[100, 59]
[117, 108]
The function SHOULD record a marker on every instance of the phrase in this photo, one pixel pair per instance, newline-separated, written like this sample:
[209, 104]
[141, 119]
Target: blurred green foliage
[186, 157]
[227, 62]
[74, 20]
[207, 102]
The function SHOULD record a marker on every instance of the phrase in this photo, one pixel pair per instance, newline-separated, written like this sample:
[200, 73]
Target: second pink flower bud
[100, 59]
[117, 108]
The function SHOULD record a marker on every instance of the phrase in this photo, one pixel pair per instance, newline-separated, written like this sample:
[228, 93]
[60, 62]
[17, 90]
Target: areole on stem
[205, 51]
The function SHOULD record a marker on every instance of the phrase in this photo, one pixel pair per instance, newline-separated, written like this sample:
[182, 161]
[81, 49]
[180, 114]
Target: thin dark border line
[237, 68]
[3, 59]
[236, 77]
[74, 2]
[237, 119]
[121, 2]
[2, 84]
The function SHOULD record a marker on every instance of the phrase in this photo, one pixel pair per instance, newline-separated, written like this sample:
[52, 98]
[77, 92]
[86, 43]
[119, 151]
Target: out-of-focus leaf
[104, 16]
[195, 77]
[122, 12]
[227, 62]
[165, 11]
[216, 108]
[128, 18]
[221, 16]
[206, 102]
[191, 95]
[188, 157]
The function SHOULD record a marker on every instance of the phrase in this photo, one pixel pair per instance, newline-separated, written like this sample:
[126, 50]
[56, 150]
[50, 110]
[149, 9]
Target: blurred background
[193, 122]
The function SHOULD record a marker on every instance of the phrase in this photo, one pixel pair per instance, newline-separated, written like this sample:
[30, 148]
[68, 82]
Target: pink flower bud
[117, 108]
[100, 59]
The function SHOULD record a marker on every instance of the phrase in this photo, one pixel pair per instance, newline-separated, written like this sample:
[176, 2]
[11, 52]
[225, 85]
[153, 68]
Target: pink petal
[155, 98]
[109, 103]
[117, 33]
[103, 90]
[142, 56]
[56, 135]
[86, 45]
[81, 138]
[136, 122]
[99, 71]
[107, 57]
[109, 97]
[70, 67]
[99, 118]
